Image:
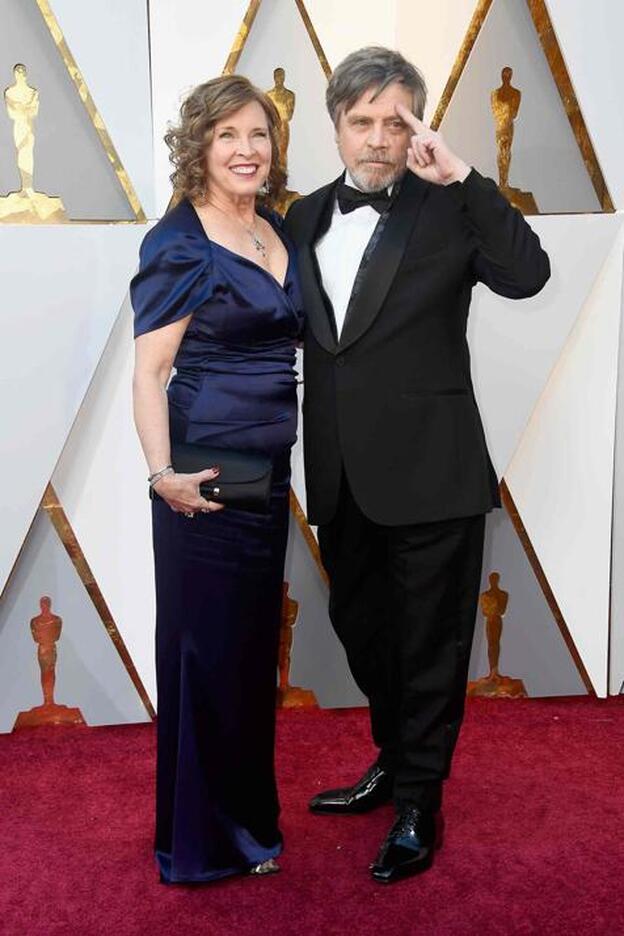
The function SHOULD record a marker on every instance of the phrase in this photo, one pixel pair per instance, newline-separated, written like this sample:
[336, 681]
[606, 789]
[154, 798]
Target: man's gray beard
[382, 181]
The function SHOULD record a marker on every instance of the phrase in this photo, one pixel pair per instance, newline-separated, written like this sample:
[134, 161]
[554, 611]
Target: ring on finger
[189, 513]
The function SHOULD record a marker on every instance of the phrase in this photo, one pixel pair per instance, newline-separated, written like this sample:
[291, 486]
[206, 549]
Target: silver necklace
[255, 240]
[258, 243]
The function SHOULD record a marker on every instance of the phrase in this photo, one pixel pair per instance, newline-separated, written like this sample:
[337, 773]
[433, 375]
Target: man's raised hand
[428, 156]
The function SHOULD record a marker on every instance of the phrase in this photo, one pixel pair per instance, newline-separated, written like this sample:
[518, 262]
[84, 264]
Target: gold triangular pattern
[523, 536]
[245, 28]
[241, 37]
[54, 509]
[94, 115]
[550, 46]
[561, 77]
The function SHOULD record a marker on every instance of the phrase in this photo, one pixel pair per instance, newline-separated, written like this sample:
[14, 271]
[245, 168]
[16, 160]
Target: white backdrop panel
[349, 25]
[515, 345]
[69, 158]
[430, 35]
[90, 673]
[590, 37]
[111, 48]
[616, 654]
[62, 288]
[561, 476]
[103, 453]
[100, 480]
[545, 158]
[532, 647]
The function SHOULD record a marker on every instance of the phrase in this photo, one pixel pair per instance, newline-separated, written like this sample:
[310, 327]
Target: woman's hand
[181, 491]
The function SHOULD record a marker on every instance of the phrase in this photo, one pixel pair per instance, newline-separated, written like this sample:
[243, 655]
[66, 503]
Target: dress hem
[215, 875]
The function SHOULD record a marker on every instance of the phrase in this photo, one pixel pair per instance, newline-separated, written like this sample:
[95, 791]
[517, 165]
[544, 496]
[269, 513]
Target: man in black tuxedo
[397, 470]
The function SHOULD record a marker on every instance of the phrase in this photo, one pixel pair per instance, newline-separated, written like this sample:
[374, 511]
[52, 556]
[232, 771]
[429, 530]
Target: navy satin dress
[219, 575]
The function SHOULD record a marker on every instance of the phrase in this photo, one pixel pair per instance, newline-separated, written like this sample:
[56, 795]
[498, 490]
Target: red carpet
[534, 834]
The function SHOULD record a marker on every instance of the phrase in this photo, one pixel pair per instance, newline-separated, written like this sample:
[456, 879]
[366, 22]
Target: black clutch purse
[244, 481]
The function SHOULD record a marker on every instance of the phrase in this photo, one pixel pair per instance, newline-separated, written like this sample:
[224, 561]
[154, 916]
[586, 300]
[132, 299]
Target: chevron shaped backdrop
[546, 371]
[74, 154]
[562, 173]
[63, 287]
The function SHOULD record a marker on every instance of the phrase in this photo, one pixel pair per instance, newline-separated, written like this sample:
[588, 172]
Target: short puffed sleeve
[174, 278]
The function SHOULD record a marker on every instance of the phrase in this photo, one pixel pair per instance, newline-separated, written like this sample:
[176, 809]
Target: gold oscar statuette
[505, 104]
[284, 100]
[289, 696]
[26, 206]
[46, 630]
[493, 605]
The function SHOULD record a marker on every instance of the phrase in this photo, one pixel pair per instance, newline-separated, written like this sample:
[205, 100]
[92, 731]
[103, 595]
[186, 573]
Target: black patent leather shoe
[373, 789]
[409, 846]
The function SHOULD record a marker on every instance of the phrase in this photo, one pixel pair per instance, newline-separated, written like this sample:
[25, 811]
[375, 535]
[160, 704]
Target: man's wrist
[459, 173]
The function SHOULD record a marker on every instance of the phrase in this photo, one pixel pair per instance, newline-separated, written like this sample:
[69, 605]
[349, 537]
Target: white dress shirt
[340, 250]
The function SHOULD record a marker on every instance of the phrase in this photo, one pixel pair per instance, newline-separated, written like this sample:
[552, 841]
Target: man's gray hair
[372, 67]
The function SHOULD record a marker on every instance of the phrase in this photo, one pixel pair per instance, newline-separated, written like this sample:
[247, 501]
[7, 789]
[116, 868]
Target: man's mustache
[375, 157]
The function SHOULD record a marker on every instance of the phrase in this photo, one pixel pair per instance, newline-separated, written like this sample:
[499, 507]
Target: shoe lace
[406, 820]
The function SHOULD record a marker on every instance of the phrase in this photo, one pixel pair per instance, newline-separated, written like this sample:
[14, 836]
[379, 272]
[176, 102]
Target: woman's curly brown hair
[187, 141]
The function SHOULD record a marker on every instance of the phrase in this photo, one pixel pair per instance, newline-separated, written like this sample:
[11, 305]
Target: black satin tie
[351, 198]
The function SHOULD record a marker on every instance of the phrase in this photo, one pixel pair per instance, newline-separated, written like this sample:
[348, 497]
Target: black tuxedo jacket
[391, 401]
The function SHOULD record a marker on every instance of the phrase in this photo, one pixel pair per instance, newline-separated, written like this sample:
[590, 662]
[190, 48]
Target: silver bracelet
[155, 478]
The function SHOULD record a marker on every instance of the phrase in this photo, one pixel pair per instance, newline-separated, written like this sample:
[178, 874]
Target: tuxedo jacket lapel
[318, 307]
[373, 282]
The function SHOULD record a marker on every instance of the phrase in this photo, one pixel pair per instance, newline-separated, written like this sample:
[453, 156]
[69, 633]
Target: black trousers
[403, 602]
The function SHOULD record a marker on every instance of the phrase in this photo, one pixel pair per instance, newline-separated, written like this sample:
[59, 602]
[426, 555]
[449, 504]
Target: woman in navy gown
[216, 298]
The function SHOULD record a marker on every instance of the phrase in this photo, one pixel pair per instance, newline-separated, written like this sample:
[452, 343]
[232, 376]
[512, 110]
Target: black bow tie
[351, 198]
